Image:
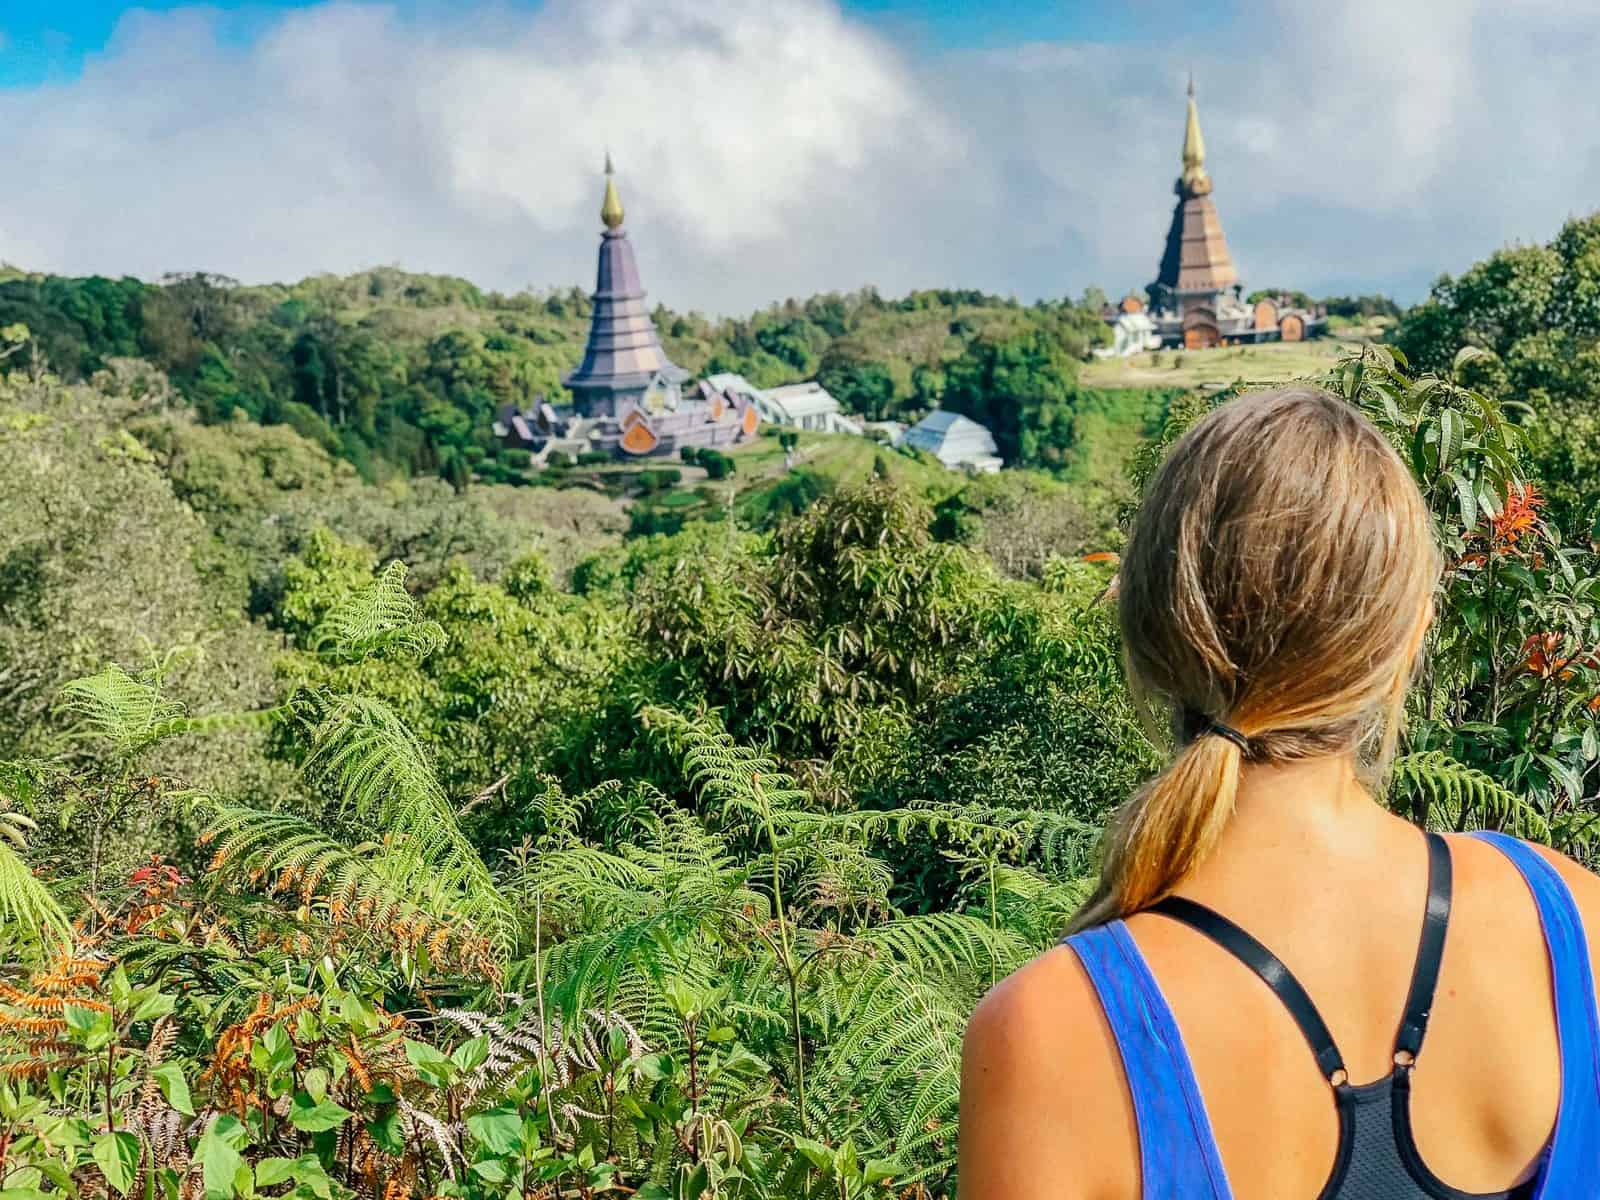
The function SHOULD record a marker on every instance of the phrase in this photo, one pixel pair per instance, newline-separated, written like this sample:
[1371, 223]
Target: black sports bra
[1377, 1157]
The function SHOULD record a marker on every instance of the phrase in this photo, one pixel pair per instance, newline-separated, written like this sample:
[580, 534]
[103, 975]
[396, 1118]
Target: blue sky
[48, 40]
[777, 148]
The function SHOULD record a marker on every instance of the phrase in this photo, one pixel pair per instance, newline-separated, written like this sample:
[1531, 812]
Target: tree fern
[32, 918]
[125, 713]
[724, 772]
[398, 906]
[1461, 797]
[377, 619]
[891, 1078]
[379, 771]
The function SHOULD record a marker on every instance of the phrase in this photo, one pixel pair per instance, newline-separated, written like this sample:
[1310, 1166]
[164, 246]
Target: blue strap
[1574, 1155]
[1178, 1157]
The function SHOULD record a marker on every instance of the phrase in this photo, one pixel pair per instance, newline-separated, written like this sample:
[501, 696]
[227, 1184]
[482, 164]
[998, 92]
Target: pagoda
[628, 396]
[1196, 267]
[623, 364]
[1196, 300]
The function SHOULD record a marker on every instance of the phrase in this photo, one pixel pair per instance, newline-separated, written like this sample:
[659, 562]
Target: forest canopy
[375, 823]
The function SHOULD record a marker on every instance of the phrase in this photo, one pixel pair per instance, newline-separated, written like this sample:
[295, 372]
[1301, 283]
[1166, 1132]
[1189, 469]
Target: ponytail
[1165, 830]
[1279, 573]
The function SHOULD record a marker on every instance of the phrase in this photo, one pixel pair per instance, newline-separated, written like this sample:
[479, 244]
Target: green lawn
[1268, 363]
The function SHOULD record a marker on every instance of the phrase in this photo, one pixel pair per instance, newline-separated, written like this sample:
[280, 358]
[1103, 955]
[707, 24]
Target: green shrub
[659, 479]
[717, 464]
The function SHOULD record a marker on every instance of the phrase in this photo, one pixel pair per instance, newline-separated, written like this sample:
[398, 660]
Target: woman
[1408, 1016]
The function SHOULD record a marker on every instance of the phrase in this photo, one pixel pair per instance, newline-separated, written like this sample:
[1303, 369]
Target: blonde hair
[1278, 581]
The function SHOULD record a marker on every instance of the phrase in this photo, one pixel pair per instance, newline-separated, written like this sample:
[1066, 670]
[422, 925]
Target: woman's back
[1239, 1009]
[1046, 1075]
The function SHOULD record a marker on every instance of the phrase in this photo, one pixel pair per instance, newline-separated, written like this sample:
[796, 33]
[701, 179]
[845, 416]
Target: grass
[1267, 363]
[841, 458]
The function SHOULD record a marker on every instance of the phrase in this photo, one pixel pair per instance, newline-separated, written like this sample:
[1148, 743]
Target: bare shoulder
[1043, 1100]
[1585, 884]
[1581, 882]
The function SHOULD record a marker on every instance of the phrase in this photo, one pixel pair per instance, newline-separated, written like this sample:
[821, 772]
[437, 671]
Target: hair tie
[1229, 732]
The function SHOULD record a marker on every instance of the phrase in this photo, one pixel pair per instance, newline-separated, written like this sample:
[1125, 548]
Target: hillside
[402, 374]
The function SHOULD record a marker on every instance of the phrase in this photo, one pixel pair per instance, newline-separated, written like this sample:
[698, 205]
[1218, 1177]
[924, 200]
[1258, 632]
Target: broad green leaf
[311, 1117]
[434, 1067]
[315, 1081]
[270, 1172]
[470, 1054]
[274, 1053]
[118, 990]
[1466, 500]
[498, 1129]
[219, 1155]
[169, 1078]
[820, 1156]
[490, 1169]
[90, 1029]
[117, 1155]
[151, 1004]
[388, 1132]
[879, 1170]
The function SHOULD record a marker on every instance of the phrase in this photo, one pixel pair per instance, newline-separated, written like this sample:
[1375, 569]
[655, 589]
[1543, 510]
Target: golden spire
[611, 209]
[1194, 150]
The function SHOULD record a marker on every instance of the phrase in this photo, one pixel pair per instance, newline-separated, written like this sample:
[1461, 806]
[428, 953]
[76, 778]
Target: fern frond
[127, 713]
[31, 915]
[378, 770]
[958, 949]
[1457, 796]
[396, 906]
[1034, 908]
[891, 1078]
[378, 619]
[721, 769]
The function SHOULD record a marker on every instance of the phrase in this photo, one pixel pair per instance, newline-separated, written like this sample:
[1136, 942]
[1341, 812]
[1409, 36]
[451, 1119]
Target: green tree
[1536, 309]
[1023, 387]
[859, 381]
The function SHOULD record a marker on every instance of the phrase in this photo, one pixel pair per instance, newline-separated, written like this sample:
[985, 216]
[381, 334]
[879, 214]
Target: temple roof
[1196, 257]
[623, 351]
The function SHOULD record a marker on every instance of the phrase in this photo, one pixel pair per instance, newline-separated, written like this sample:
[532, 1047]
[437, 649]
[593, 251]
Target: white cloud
[774, 150]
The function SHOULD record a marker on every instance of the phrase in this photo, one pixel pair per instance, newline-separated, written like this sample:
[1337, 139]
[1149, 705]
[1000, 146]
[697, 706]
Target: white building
[958, 442]
[808, 406]
[798, 405]
[1131, 333]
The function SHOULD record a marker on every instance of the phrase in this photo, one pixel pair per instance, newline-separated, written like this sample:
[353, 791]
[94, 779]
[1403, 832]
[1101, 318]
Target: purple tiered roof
[624, 352]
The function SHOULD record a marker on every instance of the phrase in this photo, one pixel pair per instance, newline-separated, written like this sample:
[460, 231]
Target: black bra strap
[1425, 976]
[1268, 966]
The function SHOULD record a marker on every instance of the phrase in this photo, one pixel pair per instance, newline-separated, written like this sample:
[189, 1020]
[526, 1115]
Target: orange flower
[1102, 556]
[1540, 654]
[1519, 517]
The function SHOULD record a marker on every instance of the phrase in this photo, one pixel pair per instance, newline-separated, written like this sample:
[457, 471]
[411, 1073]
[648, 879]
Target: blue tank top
[1178, 1157]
